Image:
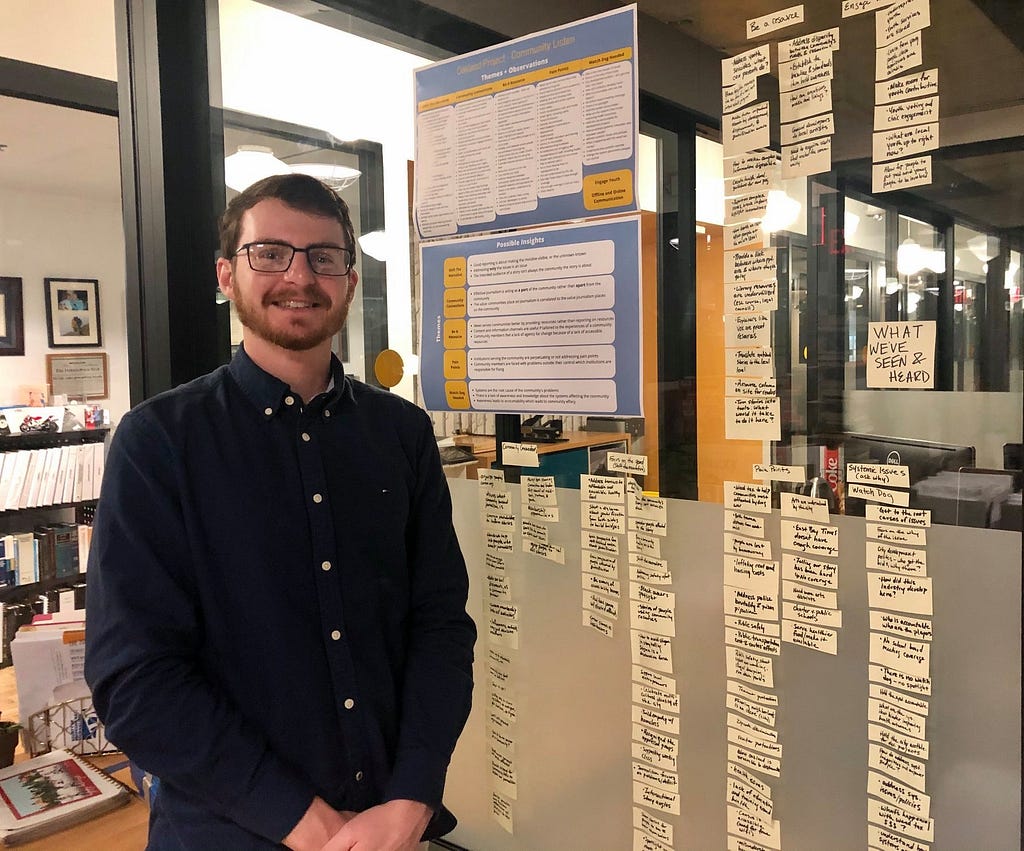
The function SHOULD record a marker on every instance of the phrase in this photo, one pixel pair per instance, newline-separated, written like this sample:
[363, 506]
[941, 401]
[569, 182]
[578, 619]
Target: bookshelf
[49, 507]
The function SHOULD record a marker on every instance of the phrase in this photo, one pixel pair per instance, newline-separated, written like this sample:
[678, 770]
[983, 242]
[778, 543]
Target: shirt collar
[270, 394]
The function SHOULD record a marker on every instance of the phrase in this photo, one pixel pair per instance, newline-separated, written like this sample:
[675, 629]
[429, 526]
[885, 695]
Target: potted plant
[10, 731]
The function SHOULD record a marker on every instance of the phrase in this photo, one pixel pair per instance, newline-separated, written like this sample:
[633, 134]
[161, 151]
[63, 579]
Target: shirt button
[317, 498]
[349, 703]
[359, 776]
[268, 411]
[289, 400]
[336, 634]
[327, 413]
[305, 436]
[326, 565]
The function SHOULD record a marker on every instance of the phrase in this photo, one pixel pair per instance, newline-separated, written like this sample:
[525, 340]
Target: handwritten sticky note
[746, 66]
[752, 418]
[749, 667]
[622, 462]
[815, 539]
[810, 100]
[743, 603]
[816, 615]
[598, 623]
[919, 629]
[746, 129]
[895, 559]
[904, 142]
[733, 97]
[823, 574]
[901, 654]
[539, 490]
[805, 71]
[494, 479]
[751, 296]
[900, 593]
[804, 507]
[744, 524]
[749, 362]
[745, 234]
[885, 475]
[857, 7]
[519, 454]
[775, 21]
[873, 494]
[757, 548]
[756, 265]
[918, 517]
[900, 19]
[741, 496]
[806, 158]
[611, 489]
[802, 45]
[898, 57]
[745, 207]
[751, 387]
[751, 573]
[918, 84]
[651, 650]
[813, 637]
[898, 679]
[652, 617]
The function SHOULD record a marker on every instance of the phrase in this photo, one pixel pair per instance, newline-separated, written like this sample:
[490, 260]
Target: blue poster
[543, 321]
[537, 130]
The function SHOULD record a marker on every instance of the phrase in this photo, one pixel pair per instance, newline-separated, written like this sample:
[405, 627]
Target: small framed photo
[73, 312]
[12, 318]
[80, 377]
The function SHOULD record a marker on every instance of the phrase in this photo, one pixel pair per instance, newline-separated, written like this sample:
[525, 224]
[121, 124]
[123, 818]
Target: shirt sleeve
[438, 682]
[143, 636]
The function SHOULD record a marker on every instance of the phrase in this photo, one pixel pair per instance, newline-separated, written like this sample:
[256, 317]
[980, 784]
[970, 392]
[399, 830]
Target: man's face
[295, 309]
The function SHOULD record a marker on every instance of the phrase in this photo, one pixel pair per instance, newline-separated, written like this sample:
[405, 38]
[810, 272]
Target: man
[276, 600]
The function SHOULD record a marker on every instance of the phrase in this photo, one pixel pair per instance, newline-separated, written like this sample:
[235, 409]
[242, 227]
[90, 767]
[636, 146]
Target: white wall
[58, 236]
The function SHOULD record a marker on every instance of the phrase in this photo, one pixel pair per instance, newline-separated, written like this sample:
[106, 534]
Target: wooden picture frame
[12, 317]
[73, 312]
[81, 376]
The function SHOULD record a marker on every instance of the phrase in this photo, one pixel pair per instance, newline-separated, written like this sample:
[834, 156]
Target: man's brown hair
[300, 192]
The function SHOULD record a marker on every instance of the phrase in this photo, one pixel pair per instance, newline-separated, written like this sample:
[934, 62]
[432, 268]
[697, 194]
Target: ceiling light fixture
[781, 211]
[336, 176]
[375, 245]
[249, 164]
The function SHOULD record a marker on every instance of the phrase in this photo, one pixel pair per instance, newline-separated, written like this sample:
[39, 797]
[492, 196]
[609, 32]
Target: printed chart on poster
[538, 130]
[546, 320]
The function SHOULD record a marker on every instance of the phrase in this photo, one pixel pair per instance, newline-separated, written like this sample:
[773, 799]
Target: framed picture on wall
[12, 318]
[72, 312]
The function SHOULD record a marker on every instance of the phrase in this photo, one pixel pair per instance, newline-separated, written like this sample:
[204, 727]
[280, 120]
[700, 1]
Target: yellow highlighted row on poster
[577, 66]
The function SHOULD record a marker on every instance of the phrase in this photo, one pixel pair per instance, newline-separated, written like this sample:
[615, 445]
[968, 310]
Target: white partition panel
[571, 690]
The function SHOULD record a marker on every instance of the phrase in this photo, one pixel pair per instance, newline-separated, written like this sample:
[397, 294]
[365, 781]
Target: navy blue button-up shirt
[276, 605]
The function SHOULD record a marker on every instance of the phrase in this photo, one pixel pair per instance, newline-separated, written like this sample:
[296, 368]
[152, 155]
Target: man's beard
[299, 337]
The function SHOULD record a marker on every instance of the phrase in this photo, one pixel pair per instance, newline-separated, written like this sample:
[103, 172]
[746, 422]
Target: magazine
[51, 792]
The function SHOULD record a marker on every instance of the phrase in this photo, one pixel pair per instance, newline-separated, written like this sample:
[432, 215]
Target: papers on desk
[52, 792]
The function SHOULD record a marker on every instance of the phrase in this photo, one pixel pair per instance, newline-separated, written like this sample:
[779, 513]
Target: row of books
[62, 600]
[31, 478]
[50, 551]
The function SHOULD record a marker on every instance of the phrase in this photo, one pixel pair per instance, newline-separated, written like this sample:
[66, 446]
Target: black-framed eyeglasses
[278, 256]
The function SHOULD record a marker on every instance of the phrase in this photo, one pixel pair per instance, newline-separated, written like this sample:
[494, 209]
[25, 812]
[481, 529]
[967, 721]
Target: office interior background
[126, 126]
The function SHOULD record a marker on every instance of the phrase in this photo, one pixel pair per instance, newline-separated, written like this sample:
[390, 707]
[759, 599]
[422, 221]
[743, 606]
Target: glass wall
[848, 258]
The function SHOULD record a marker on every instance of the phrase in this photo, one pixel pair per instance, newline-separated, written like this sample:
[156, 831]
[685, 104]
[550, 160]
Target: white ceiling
[57, 150]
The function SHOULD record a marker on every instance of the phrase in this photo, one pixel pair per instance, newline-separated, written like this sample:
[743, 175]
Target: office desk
[565, 459]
